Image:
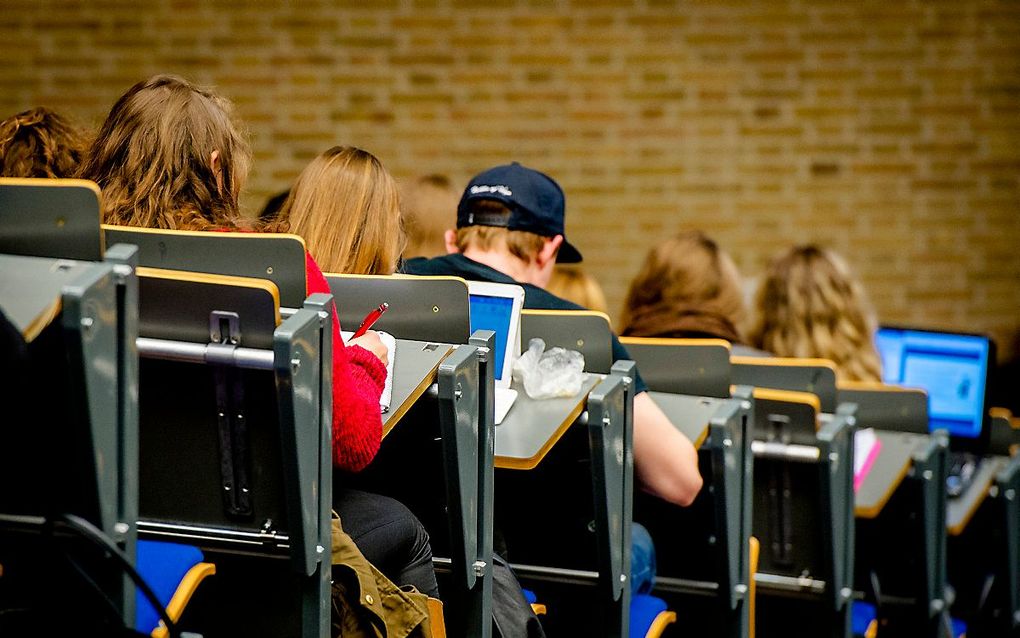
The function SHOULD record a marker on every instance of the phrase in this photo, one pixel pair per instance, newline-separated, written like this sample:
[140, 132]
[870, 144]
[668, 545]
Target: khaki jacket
[366, 603]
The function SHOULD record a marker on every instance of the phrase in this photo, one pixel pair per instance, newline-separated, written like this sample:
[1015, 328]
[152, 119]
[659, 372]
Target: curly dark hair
[40, 143]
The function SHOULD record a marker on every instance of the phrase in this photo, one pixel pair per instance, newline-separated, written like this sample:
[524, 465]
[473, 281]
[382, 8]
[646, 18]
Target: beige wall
[887, 130]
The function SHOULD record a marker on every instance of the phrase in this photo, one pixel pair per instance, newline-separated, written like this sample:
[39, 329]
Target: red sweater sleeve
[358, 380]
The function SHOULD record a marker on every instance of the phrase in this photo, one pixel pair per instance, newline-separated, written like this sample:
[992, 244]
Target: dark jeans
[389, 536]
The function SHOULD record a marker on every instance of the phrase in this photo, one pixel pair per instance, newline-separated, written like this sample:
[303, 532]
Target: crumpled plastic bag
[557, 372]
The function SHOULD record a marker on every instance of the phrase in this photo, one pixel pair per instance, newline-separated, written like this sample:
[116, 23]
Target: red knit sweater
[358, 380]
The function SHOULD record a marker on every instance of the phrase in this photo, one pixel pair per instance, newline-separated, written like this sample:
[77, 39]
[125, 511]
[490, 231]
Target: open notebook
[391, 346]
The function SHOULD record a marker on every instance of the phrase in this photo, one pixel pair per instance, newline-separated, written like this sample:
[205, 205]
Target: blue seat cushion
[643, 611]
[959, 627]
[861, 616]
[163, 566]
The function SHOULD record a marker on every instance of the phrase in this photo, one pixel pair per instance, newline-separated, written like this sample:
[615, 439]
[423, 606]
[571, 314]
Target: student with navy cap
[510, 230]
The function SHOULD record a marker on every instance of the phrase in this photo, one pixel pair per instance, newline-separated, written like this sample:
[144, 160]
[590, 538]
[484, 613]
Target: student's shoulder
[536, 298]
[421, 266]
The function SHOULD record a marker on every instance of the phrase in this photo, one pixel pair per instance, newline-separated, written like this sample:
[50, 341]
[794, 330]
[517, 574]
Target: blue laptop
[953, 368]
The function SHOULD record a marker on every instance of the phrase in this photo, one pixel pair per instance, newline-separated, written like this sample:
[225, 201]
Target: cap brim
[568, 254]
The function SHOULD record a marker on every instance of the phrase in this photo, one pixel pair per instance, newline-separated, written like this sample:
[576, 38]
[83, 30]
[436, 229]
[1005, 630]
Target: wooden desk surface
[532, 427]
[887, 472]
[31, 288]
[690, 415]
[960, 509]
[415, 366]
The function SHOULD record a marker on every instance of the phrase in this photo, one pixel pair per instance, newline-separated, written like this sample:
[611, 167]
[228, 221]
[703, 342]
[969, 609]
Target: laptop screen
[952, 368]
[493, 313]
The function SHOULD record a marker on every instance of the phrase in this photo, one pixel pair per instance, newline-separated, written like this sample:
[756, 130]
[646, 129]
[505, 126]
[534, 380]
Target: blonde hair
[520, 243]
[811, 306]
[40, 143]
[574, 284]
[153, 158]
[687, 284]
[429, 205]
[346, 206]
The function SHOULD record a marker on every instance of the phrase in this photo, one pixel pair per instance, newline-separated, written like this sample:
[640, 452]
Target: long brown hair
[346, 206]
[40, 143]
[810, 305]
[686, 286]
[154, 158]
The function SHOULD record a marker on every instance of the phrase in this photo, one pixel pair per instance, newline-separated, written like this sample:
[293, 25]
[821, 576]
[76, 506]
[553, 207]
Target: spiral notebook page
[391, 351]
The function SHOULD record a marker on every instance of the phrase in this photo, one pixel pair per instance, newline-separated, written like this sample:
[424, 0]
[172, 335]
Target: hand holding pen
[370, 320]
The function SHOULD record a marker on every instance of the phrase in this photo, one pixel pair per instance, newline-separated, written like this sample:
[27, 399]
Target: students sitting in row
[169, 155]
[40, 143]
[510, 230]
[810, 305]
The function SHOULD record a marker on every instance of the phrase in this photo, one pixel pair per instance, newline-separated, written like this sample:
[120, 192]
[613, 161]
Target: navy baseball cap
[535, 201]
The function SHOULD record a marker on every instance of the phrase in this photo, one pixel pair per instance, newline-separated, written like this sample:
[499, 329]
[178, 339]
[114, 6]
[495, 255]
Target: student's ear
[214, 164]
[550, 248]
[450, 238]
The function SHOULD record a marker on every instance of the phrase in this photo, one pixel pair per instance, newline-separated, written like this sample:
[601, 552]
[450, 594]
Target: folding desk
[803, 512]
[961, 509]
[438, 441]
[532, 428]
[75, 331]
[415, 367]
[236, 452]
[985, 552]
[889, 469]
[901, 532]
[703, 549]
[524, 441]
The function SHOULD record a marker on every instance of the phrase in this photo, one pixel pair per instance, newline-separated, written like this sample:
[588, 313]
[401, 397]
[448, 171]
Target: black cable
[92, 533]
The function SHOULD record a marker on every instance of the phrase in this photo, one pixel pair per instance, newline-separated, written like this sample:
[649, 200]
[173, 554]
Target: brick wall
[887, 130]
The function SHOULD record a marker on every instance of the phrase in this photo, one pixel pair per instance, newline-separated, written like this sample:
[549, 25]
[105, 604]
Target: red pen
[370, 320]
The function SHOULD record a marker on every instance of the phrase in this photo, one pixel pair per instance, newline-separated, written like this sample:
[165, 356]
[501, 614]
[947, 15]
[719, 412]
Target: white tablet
[497, 307]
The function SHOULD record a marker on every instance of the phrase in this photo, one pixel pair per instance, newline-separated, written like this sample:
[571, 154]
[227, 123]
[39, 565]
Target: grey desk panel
[819, 380]
[414, 370]
[690, 415]
[887, 472]
[50, 218]
[421, 308]
[31, 287]
[683, 367]
[903, 410]
[582, 330]
[959, 510]
[532, 427]
[280, 258]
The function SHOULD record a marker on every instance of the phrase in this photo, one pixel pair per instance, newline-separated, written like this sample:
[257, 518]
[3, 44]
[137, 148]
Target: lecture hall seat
[649, 616]
[174, 572]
